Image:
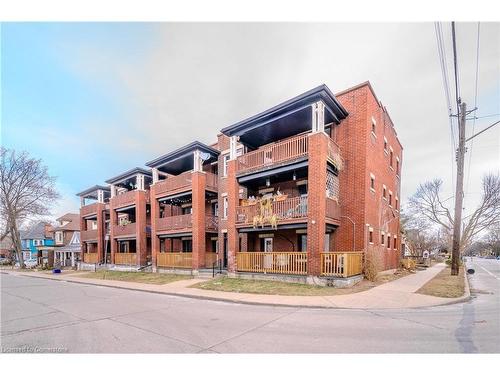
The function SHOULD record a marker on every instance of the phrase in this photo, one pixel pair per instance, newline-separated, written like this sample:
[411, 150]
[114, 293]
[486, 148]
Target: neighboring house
[67, 247]
[35, 240]
[6, 247]
[303, 188]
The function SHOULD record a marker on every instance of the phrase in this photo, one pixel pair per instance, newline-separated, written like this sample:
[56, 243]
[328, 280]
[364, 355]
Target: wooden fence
[294, 263]
[174, 260]
[126, 258]
[344, 264]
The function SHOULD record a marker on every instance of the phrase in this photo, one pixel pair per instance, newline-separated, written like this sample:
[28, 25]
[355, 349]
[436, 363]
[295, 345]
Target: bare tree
[428, 205]
[26, 191]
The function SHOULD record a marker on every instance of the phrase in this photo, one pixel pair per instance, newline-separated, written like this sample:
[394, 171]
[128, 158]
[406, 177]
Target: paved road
[39, 313]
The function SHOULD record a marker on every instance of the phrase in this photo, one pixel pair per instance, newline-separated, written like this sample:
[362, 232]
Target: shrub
[448, 262]
[372, 266]
[408, 264]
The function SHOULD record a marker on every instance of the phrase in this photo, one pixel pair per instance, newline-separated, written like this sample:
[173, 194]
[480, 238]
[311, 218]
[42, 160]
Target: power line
[446, 86]
[455, 65]
[475, 104]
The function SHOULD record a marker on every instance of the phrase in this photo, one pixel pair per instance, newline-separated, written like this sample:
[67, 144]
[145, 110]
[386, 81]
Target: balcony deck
[183, 182]
[128, 230]
[274, 154]
[182, 223]
[286, 211]
[88, 210]
[128, 198]
[88, 235]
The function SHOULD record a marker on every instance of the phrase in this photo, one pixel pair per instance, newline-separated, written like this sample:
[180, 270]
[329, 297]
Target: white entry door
[268, 248]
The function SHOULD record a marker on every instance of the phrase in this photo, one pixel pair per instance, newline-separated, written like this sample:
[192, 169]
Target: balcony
[274, 154]
[178, 222]
[292, 263]
[89, 235]
[124, 230]
[285, 210]
[183, 182]
[125, 199]
[174, 260]
[88, 210]
[126, 258]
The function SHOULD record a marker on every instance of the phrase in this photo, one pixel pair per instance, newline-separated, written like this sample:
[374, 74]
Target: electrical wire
[475, 104]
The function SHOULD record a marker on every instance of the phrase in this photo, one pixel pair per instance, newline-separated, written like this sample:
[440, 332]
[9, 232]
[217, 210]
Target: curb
[230, 300]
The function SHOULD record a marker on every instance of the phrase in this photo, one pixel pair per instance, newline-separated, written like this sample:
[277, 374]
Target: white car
[28, 263]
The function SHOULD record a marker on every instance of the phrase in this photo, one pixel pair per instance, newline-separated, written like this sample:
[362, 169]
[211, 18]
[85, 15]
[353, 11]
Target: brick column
[198, 217]
[140, 231]
[316, 204]
[233, 201]
[83, 245]
[101, 232]
[113, 220]
[155, 213]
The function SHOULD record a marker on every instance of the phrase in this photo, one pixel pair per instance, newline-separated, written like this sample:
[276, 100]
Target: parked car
[5, 261]
[28, 263]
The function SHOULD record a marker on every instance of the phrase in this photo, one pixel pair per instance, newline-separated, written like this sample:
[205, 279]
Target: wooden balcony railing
[211, 181]
[174, 222]
[211, 223]
[293, 263]
[125, 230]
[210, 258]
[89, 209]
[172, 183]
[88, 235]
[124, 199]
[332, 209]
[175, 260]
[290, 208]
[342, 264]
[90, 257]
[279, 152]
[334, 154]
[126, 258]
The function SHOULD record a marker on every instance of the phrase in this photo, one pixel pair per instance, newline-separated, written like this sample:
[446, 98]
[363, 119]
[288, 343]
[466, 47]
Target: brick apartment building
[304, 189]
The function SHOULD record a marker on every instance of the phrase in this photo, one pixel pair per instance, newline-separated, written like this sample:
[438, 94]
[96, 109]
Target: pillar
[155, 214]
[140, 231]
[198, 217]
[113, 220]
[316, 196]
[101, 231]
[233, 201]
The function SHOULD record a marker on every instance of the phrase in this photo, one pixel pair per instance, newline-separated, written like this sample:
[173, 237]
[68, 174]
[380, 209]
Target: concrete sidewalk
[398, 294]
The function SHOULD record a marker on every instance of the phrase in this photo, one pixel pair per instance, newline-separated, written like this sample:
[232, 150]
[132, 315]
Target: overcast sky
[93, 100]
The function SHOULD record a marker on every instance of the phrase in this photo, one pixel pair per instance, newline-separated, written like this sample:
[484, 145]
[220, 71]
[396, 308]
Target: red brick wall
[364, 154]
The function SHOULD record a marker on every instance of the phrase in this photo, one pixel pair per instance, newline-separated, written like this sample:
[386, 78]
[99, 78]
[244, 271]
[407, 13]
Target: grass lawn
[445, 285]
[226, 284]
[138, 277]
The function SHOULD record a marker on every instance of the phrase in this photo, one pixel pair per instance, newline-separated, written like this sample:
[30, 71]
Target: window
[382, 238]
[187, 210]
[388, 241]
[372, 182]
[224, 165]
[59, 237]
[394, 243]
[374, 126]
[384, 192]
[397, 166]
[385, 145]
[370, 235]
[224, 213]
[215, 209]
[396, 206]
[391, 155]
[390, 198]
[326, 245]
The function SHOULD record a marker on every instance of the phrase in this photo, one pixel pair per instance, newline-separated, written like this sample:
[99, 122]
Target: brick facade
[365, 155]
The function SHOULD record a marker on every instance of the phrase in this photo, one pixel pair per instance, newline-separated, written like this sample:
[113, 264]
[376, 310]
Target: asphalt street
[57, 316]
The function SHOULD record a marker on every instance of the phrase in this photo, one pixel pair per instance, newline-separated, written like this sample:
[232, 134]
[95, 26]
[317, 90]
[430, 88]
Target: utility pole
[459, 192]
